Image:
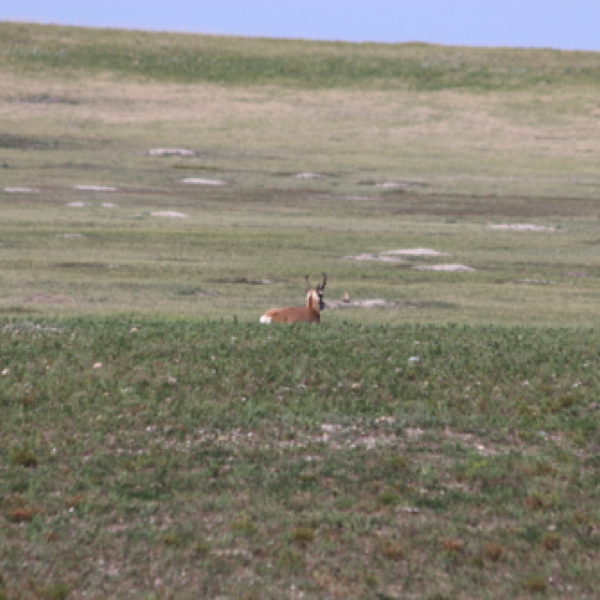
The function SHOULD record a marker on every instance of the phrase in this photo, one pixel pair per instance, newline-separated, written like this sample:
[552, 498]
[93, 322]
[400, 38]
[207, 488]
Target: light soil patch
[360, 304]
[48, 299]
[95, 188]
[169, 213]
[391, 185]
[520, 227]
[77, 204]
[170, 152]
[373, 257]
[463, 268]
[417, 252]
[109, 205]
[70, 235]
[21, 190]
[307, 176]
[196, 181]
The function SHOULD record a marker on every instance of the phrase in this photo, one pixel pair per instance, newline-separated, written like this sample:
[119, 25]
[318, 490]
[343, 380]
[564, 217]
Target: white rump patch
[265, 319]
[170, 152]
[417, 252]
[445, 268]
[196, 181]
[169, 213]
[521, 227]
[21, 190]
[95, 188]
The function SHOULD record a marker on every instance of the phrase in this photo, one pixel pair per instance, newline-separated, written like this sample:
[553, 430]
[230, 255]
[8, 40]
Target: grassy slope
[323, 459]
[178, 58]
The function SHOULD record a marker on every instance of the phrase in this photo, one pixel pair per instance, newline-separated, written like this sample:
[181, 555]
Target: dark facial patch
[322, 304]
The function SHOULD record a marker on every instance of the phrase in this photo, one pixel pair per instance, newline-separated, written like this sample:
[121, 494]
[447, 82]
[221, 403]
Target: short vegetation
[170, 457]
[157, 442]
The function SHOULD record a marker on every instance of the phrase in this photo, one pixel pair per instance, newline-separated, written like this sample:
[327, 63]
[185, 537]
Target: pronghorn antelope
[311, 313]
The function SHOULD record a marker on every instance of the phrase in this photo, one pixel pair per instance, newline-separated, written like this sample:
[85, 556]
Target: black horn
[322, 286]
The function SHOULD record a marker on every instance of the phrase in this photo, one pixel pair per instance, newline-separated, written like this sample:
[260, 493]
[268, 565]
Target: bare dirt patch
[307, 176]
[373, 257]
[169, 213]
[416, 252]
[360, 304]
[457, 268]
[520, 227]
[95, 188]
[171, 152]
[21, 190]
[197, 181]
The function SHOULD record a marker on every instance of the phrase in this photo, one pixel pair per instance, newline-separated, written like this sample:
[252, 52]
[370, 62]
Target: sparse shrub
[243, 526]
[291, 560]
[23, 457]
[539, 501]
[535, 584]
[392, 550]
[22, 515]
[387, 498]
[551, 542]
[540, 469]
[74, 501]
[56, 591]
[452, 545]
[493, 552]
[302, 535]
[397, 463]
[201, 548]
[170, 539]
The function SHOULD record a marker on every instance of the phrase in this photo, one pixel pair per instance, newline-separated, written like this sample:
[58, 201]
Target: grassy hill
[193, 59]
[156, 442]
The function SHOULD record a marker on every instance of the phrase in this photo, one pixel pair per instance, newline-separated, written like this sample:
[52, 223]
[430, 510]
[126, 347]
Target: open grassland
[177, 460]
[155, 442]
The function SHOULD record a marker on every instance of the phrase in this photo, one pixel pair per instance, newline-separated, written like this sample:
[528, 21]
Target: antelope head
[315, 296]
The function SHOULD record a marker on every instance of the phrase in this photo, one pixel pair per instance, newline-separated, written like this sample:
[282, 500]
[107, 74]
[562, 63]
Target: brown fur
[310, 313]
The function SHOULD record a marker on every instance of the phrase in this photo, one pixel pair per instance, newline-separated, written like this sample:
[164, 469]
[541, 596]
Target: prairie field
[435, 438]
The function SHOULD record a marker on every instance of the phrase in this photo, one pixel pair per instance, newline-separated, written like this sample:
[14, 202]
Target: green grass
[323, 458]
[299, 64]
[156, 442]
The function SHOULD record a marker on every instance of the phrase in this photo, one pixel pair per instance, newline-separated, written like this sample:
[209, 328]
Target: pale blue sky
[563, 24]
